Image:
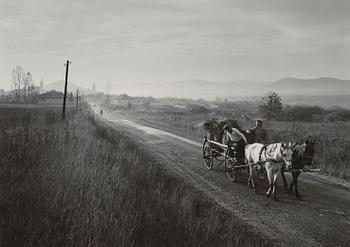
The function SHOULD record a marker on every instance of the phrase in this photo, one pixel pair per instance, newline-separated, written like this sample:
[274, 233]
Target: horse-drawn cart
[227, 155]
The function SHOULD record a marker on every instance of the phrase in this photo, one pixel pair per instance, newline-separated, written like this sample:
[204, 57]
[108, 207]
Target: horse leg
[275, 175]
[284, 179]
[249, 169]
[290, 190]
[295, 180]
[250, 179]
[270, 178]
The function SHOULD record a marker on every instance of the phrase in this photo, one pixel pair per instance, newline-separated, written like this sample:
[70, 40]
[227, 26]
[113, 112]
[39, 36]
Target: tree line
[272, 108]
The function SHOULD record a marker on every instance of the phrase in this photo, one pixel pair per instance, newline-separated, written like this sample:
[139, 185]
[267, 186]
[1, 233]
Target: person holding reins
[259, 132]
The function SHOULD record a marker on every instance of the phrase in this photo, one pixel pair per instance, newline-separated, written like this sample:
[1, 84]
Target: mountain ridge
[207, 89]
[71, 87]
[314, 86]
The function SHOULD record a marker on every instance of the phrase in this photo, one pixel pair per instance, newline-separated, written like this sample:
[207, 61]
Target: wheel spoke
[208, 155]
[231, 172]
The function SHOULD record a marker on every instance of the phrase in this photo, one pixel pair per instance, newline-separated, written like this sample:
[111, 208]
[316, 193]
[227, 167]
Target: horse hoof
[268, 195]
[250, 185]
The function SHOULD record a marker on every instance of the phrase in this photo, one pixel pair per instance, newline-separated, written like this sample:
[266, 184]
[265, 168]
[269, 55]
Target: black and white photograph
[174, 123]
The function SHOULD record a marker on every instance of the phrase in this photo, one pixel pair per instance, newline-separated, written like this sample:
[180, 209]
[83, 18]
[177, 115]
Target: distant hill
[318, 86]
[193, 89]
[59, 87]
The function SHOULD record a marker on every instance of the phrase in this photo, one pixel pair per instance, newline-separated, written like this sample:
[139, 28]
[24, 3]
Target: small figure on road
[259, 133]
[101, 112]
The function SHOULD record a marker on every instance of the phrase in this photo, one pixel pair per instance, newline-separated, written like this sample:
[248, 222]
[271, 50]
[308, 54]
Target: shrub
[303, 113]
[338, 115]
[193, 108]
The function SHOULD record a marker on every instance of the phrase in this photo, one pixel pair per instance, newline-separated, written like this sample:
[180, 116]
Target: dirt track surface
[320, 218]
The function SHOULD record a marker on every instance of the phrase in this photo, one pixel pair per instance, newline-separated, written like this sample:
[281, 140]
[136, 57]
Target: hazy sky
[136, 41]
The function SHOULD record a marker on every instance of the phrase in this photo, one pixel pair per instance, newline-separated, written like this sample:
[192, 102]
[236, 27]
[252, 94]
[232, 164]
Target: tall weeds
[79, 183]
[332, 154]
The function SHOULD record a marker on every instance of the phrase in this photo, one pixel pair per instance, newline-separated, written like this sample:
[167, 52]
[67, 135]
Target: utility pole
[108, 88]
[77, 103]
[65, 89]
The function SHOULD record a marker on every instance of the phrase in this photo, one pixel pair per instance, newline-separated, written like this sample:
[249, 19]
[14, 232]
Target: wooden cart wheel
[208, 154]
[230, 163]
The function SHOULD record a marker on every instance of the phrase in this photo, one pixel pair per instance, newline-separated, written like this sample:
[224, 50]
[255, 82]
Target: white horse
[272, 156]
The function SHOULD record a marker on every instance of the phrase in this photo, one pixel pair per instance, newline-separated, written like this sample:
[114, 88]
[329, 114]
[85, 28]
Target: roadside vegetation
[328, 127]
[80, 183]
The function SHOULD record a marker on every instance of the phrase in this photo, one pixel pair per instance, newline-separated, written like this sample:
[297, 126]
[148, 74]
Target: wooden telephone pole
[108, 88]
[65, 89]
[77, 100]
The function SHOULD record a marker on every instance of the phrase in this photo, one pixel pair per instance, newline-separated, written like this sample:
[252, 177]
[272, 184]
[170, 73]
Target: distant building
[93, 87]
[41, 88]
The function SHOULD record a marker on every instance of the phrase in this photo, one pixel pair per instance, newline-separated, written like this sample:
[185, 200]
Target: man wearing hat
[258, 132]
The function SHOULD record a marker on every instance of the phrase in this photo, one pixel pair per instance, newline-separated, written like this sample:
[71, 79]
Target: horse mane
[299, 148]
[298, 153]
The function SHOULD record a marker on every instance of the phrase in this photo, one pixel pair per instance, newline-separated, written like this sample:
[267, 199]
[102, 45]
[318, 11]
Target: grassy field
[80, 183]
[332, 139]
[332, 143]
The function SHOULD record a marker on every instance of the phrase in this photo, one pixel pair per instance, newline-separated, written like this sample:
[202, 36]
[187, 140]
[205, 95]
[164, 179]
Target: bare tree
[18, 77]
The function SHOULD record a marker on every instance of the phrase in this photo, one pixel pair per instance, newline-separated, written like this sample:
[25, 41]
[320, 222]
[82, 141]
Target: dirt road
[320, 218]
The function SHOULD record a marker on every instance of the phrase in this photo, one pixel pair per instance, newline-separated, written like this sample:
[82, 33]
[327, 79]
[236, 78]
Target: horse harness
[264, 148]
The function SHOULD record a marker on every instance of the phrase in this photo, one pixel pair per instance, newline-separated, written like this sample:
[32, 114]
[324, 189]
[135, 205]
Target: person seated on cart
[235, 138]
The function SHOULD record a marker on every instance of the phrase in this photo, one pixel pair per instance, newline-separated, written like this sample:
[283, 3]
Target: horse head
[218, 131]
[209, 128]
[287, 154]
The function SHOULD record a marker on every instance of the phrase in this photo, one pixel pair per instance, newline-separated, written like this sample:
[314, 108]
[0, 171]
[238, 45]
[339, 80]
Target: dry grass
[78, 183]
[332, 143]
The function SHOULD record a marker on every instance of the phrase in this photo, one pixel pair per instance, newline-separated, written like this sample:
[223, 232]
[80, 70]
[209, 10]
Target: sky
[151, 41]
